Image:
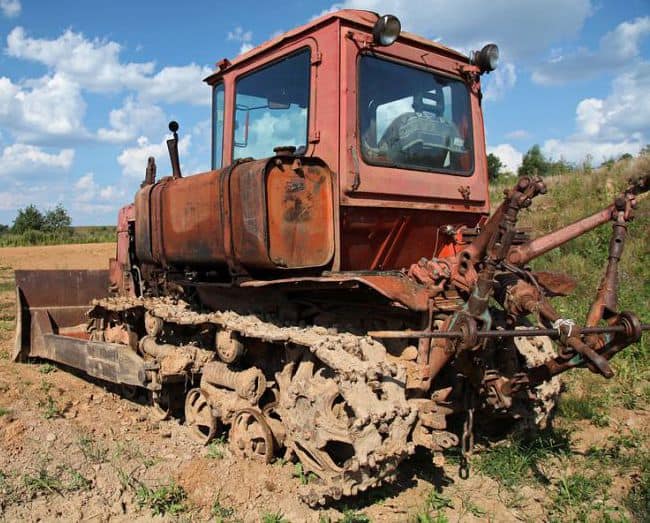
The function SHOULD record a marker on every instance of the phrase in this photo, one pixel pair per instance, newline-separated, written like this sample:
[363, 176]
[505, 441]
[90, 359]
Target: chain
[467, 438]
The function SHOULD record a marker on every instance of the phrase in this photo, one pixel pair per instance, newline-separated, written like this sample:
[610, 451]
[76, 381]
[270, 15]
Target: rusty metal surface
[108, 361]
[58, 297]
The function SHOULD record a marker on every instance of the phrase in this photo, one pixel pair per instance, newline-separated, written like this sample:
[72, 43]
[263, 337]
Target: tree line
[535, 162]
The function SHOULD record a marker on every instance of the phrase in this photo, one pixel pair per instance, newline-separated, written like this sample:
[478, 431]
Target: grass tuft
[166, 499]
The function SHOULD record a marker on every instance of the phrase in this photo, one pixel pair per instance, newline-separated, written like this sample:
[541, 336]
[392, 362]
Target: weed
[42, 482]
[638, 499]
[46, 368]
[436, 501]
[576, 493]
[50, 408]
[350, 516]
[221, 513]
[299, 473]
[166, 499]
[46, 386]
[511, 463]
[216, 448]
[425, 517]
[274, 517]
[4, 411]
[91, 450]
[77, 481]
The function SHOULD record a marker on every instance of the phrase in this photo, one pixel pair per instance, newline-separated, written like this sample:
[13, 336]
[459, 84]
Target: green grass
[220, 513]
[165, 499]
[216, 448]
[273, 517]
[92, 451]
[516, 461]
[4, 411]
[86, 234]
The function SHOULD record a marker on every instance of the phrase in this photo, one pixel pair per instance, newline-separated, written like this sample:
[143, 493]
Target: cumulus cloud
[245, 37]
[509, 156]
[95, 65]
[87, 191]
[29, 160]
[498, 82]
[618, 48]
[610, 126]
[10, 8]
[43, 110]
[133, 160]
[131, 120]
[522, 29]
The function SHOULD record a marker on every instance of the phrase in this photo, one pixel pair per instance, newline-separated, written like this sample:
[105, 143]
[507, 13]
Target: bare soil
[58, 427]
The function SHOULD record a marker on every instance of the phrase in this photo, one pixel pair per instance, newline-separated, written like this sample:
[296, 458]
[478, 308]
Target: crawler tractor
[334, 290]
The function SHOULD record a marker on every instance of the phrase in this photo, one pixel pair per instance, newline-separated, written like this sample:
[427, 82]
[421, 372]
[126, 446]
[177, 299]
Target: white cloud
[498, 82]
[133, 160]
[10, 8]
[87, 190]
[172, 84]
[245, 37]
[521, 29]
[518, 134]
[509, 156]
[618, 48]
[239, 35]
[605, 127]
[245, 47]
[95, 65]
[29, 160]
[43, 110]
[131, 120]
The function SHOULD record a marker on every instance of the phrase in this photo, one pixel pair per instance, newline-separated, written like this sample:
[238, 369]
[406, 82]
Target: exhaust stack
[172, 146]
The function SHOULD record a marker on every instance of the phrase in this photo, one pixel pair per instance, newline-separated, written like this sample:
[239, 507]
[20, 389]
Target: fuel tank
[252, 216]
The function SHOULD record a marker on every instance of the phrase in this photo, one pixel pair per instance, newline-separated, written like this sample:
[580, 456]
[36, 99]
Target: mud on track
[74, 450]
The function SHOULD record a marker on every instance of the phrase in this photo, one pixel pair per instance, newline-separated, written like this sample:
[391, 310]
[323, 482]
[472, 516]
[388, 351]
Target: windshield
[271, 108]
[413, 119]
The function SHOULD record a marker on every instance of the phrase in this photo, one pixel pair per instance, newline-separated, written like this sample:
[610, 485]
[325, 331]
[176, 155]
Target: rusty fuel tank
[251, 216]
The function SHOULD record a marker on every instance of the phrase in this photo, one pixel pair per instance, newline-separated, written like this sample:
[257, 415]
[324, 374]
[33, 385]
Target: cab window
[271, 107]
[218, 106]
[412, 118]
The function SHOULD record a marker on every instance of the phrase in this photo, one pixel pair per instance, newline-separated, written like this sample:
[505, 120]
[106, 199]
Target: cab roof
[357, 17]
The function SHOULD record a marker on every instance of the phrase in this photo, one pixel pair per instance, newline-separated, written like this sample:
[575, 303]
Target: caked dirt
[78, 451]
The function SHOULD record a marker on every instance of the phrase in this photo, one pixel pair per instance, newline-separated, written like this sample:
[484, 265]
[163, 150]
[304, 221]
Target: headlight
[386, 30]
[487, 59]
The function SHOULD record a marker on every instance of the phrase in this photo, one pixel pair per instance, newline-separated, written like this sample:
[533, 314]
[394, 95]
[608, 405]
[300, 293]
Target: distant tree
[29, 218]
[645, 151]
[625, 157]
[609, 163]
[534, 162]
[494, 165]
[57, 220]
[3, 228]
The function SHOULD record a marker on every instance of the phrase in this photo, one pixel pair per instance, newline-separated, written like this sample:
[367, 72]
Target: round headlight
[487, 59]
[386, 30]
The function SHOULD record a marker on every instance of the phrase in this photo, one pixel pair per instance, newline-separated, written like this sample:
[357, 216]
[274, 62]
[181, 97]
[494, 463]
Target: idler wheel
[250, 436]
[228, 346]
[152, 324]
[199, 418]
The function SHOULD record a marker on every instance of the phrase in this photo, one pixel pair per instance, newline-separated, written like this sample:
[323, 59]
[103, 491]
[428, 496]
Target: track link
[339, 397]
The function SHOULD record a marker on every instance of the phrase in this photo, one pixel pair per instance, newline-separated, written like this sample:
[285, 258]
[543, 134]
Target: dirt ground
[77, 451]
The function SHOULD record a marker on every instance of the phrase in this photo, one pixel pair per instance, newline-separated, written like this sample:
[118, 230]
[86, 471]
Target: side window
[271, 107]
[217, 126]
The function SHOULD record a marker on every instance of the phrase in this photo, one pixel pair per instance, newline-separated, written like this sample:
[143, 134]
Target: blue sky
[87, 87]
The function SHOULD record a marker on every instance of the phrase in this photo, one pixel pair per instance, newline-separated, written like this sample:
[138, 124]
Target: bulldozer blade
[51, 307]
[52, 301]
[107, 361]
